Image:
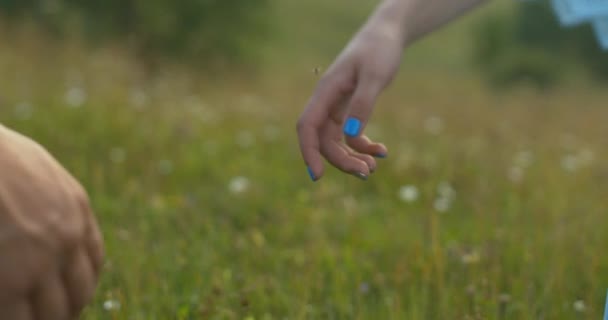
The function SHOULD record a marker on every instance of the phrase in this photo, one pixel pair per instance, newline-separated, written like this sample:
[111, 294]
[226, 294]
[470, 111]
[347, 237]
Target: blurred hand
[51, 250]
[334, 120]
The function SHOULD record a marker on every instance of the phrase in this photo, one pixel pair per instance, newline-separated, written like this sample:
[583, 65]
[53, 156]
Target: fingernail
[381, 155]
[311, 174]
[352, 127]
[360, 175]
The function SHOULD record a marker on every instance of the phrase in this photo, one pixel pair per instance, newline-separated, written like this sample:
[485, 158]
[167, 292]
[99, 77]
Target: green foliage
[529, 44]
[202, 30]
[208, 212]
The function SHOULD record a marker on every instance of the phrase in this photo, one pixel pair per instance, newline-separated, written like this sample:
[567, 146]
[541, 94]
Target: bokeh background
[179, 119]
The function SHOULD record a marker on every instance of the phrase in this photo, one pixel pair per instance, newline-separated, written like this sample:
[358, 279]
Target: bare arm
[416, 18]
[334, 120]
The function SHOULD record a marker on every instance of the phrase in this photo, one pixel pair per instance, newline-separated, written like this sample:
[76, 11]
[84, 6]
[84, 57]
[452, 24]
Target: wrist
[392, 18]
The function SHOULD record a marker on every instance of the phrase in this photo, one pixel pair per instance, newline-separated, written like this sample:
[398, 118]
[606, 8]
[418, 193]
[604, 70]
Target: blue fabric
[566, 14]
[575, 12]
[601, 31]
[606, 308]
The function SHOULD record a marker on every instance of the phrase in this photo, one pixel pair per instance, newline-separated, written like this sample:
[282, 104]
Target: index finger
[327, 94]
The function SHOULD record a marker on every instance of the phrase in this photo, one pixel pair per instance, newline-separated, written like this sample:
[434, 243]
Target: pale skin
[352, 84]
[51, 250]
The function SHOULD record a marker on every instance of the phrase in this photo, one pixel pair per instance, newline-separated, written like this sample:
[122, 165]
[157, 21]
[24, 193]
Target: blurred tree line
[529, 44]
[202, 31]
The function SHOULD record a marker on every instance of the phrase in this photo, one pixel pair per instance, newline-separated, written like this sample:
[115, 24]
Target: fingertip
[361, 176]
[364, 169]
[314, 172]
[380, 151]
[372, 165]
[311, 174]
[364, 145]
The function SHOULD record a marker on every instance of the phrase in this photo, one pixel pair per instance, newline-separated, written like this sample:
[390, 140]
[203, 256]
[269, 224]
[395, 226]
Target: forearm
[412, 19]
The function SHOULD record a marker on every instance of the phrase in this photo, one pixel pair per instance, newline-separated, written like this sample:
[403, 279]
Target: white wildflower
[579, 306]
[408, 193]
[442, 204]
[516, 174]
[445, 190]
[110, 305]
[570, 163]
[238, 185]
[75, 97]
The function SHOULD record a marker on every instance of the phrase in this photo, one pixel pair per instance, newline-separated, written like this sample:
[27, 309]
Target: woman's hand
[334, 120]
[51, 250]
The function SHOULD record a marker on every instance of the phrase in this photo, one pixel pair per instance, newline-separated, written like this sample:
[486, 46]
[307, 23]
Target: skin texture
[51, 250]
[351, 86]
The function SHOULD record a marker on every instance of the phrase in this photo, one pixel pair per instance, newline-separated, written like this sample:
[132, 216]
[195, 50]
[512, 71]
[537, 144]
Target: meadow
[490, 205]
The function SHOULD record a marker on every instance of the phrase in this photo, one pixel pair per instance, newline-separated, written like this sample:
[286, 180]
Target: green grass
[521, 238]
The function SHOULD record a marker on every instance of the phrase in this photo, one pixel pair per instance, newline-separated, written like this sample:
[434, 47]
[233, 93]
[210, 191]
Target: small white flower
[110, 305]
[238, 185]
[442, 204]
[570, 163]
[433, 125]
[408, 193]
[445, 190]
[75, 97]
[516, 174]
[579, 306]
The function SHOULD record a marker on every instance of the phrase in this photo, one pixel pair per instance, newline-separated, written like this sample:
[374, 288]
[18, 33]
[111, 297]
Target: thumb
[361, 106]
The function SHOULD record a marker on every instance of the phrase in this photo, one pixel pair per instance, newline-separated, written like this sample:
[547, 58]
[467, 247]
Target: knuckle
[343, 85]
[345, 163]
[361, 101]
[368, 159]
[300, 125]
[83, 200]
[336, 80]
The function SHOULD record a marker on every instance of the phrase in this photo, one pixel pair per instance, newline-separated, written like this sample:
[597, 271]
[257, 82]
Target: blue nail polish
[381, 155]
[311, 174]
[352, 127]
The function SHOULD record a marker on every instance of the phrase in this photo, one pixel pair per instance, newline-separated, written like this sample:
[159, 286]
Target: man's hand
[51, 250]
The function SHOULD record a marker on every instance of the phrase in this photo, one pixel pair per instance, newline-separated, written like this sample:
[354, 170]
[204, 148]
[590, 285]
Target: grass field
[491, 205]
